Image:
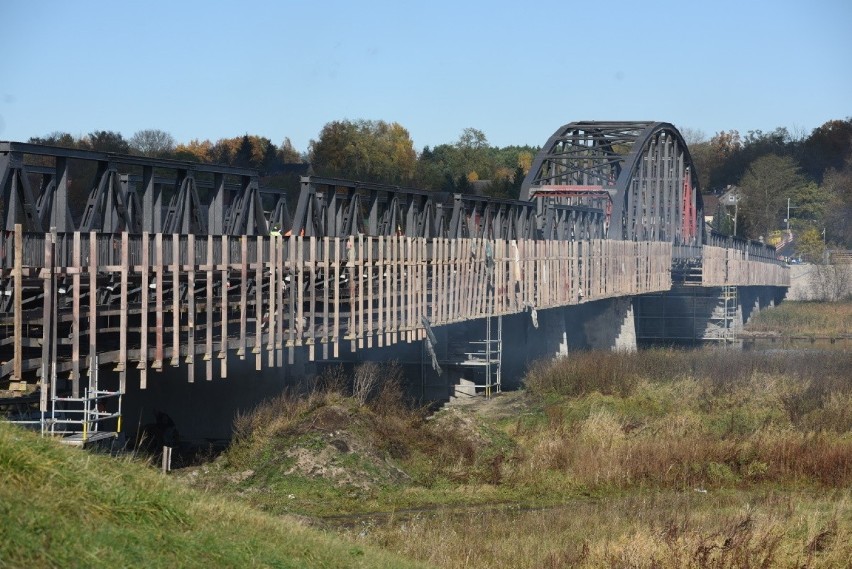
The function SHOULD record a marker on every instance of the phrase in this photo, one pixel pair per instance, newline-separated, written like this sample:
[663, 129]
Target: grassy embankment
[659, 458]
[61, 507]
[793, 318]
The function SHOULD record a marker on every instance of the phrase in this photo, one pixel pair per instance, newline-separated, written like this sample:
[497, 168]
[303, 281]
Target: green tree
[809, 203]
[828, 147]
[57, 138]
[810, 245]
[195, 151]
[107, 141]
[287, 153]
[765, 187]
[722, 221]
[837, 185]
[472, 156]
[247, 151]
[152, 142]
[373, 151]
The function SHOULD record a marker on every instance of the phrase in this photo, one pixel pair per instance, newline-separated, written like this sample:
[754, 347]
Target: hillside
[61, 507]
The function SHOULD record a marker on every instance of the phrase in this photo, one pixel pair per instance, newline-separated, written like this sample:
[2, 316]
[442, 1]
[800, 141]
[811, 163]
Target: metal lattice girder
[19, 204]
[492, 218]
[331, 207]
[115, 196]
[134, 207]
[571, 222]
[643, 165]
[281, 215]
[186, 213]
[106, 209]
[53, 209]
[245, 216]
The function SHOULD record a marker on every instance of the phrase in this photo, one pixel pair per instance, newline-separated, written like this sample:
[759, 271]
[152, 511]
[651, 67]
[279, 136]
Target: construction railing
[151, 300]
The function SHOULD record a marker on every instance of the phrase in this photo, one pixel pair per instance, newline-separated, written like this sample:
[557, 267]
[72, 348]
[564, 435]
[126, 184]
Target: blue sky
[515, 70]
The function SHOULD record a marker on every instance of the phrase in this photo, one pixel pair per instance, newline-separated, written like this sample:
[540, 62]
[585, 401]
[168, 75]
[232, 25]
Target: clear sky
[515, 70]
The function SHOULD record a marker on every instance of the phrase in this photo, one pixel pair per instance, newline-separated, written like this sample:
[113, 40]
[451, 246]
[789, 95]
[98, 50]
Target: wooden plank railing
[732, 267]
[147, 301]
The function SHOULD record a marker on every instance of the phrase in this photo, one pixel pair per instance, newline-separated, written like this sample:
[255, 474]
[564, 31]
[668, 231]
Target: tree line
[814, 171]
[364, 150]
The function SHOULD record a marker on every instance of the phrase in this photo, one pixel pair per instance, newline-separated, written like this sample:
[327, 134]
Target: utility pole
[736, 212]
[789, 207]
[788, 215]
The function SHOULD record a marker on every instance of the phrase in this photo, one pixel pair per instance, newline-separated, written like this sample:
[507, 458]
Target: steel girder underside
[642, 168]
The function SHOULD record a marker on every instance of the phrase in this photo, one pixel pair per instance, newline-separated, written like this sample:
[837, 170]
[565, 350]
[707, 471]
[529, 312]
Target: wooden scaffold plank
[76, 251]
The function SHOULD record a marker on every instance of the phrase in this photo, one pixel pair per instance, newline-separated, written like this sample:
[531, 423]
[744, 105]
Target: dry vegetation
[805, 318]
[660, 458]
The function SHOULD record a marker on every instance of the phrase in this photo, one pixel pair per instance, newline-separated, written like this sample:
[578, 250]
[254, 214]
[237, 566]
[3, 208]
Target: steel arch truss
[641, 171]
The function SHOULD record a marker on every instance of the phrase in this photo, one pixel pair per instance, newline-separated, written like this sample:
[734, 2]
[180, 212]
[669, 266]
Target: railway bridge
[196, 274]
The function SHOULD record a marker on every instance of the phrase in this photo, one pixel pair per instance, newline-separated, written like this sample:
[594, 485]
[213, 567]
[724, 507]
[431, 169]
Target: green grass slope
[62, 507]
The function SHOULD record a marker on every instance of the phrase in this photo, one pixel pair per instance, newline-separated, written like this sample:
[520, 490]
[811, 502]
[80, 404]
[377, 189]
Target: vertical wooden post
[279, 333]
[241, 349]
[408, 274]
[371, 324]
[273, 297]
[190, 312]
[47, 323]
[122, 319]
[158, 319]
[312, 303]
[93, 301]
[210, 301]
[258, 305]
[225, 309]
[142, 366]
[175, 362]
[437, 281]
[335, 283]
[380, 264]
[75, 316]
[327, 282]
[359, 291]
[387, 272]
[352, 331]
[299, 277]
[18, 310]
[293, 288]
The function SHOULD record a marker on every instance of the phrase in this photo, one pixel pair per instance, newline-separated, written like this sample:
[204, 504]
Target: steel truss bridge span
[641, 171]
[136, 194]
[175, 263]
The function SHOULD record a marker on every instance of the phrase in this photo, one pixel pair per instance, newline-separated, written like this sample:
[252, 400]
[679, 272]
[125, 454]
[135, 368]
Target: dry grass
[684, 419]
[712, 458]
[673, 530]
[805, 318]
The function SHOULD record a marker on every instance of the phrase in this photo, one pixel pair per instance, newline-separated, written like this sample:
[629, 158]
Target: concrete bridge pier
[601, 325]
[688, 315]
[691, 315]
[753, 299]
